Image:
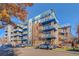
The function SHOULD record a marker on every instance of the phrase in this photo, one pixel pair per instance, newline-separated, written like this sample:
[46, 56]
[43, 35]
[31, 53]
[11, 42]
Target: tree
[7, 10]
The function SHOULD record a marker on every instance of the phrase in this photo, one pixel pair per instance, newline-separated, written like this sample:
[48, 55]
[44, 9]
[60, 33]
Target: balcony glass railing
[24, 27]
[18, 35]
[48, 28]
[17, 29]
[25, 32]
[48, 36]
[25, 37]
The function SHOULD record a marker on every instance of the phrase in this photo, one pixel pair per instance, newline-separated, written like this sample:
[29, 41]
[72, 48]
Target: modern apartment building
[18, 30]
[17, 34]
[64, 35]
[25, 32]
[45, 28]
[9, 33]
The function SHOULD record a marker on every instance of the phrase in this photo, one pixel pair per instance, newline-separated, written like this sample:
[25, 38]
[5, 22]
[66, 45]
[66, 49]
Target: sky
[65, 13]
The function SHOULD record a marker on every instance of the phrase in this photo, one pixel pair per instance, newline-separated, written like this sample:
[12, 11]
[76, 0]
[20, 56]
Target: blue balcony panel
[24, 34]
[49, 37]
[25, 29]
[18, 35]
[24, 39]
[48, 21]
[17, 31]
[49, 29]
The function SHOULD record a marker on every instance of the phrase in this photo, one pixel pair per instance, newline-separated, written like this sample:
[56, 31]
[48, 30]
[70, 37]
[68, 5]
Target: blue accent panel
[48, 28]
[47, 21]
[19, 35]
[24, 34]
[25, 29]
[17, 31]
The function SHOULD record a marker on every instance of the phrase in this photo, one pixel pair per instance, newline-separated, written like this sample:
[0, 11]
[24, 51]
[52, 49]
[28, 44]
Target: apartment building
[17, 34]
[64, 35]
[9, 33]
[18, 30]
[45, 28]
[25, 32]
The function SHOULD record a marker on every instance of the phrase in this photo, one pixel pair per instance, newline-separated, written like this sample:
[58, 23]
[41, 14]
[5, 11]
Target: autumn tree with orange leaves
[7, 10]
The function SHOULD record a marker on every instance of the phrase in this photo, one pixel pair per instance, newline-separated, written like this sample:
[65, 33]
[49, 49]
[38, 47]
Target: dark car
[5, 51]
[9, 45]
[18, 45]
[45, 46]
[21, 45]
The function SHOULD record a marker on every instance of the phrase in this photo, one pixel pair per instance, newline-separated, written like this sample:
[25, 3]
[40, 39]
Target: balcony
[47, 36]
[48, 28]
[17, 31]
[17, 35]
[46, 21]
[62, 33]
[25, 37]
[24, 27]
[63, 37]
[25, 32]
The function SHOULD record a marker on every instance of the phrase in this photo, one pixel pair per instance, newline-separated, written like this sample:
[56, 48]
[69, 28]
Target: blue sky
[65, 13]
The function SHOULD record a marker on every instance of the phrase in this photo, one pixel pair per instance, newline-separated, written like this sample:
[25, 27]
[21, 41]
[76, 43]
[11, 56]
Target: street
[42, 52]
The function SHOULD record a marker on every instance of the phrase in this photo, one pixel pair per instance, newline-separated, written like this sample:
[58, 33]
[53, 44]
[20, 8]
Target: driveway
[42, 52]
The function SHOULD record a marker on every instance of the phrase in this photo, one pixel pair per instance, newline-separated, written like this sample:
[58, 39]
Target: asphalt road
[43, 52]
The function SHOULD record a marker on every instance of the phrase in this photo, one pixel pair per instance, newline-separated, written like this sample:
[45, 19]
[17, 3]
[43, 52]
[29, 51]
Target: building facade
[17, 34]
[9, 33]
[45, 28]
[18, 30]
[41, 29]
[25, 32]
[64, 35]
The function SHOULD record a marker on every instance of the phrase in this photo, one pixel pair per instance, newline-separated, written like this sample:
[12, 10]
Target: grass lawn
[73, 49]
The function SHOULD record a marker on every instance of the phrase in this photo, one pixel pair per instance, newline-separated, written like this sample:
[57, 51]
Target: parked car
[21, 45]
[5, 50]
[44, 46]
[9, 45]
